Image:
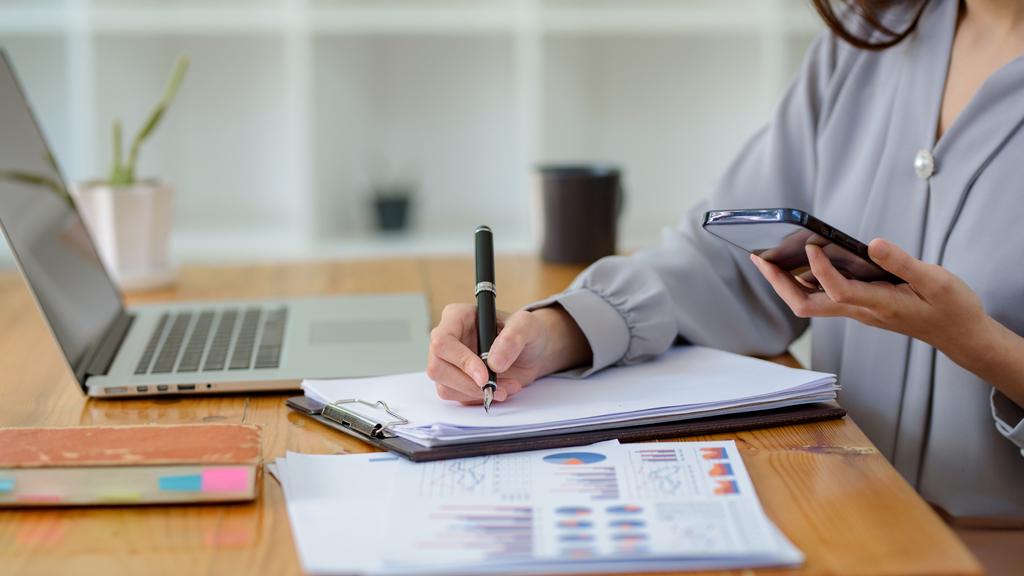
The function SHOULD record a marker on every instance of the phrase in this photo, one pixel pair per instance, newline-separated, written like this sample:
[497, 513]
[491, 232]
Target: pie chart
[574, 458]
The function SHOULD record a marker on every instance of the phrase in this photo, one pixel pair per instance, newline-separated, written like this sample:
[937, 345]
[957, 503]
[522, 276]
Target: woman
[906, 125]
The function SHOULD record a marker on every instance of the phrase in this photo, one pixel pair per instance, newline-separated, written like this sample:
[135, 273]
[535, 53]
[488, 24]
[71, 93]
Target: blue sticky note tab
[190, 483]
[6, 484]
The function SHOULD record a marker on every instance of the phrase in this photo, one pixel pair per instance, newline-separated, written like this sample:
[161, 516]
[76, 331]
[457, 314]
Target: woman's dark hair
[868, 15]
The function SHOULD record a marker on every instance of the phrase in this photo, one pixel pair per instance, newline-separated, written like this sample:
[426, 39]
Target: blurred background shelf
[395, 16]
[698, 17]
[246, 247]
[294, 110]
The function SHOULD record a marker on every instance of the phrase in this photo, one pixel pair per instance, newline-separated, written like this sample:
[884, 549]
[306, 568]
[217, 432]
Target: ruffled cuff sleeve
[1009, 418]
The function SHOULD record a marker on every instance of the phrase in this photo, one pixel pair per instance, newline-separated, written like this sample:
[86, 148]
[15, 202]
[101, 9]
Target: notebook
[599, 508]
[403, 413]
[128, 464]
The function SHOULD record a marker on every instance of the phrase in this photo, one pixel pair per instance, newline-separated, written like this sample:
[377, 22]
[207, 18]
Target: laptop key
[196, 344]
[241, 356]
[269, 353]
[172, 345]
[218, 353]
[154, 340]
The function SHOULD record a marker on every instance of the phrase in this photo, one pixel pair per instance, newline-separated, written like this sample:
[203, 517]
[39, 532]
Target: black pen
[486, 314]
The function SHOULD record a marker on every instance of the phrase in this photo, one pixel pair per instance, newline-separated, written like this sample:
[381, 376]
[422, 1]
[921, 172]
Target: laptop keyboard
[232, 339]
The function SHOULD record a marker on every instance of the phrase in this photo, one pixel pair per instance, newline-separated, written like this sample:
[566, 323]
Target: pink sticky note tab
[40, 498]
[226, 480]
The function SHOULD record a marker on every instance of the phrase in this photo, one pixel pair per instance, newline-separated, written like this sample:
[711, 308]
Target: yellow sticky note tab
[120, 496]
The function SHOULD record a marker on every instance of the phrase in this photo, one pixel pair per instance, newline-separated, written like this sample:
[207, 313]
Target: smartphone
[779, 235]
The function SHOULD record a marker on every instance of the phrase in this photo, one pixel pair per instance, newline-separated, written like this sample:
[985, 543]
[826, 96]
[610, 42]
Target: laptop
[184, 347]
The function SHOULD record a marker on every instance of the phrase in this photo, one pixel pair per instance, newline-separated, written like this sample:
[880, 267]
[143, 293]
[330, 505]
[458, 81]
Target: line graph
[663, 472]
[506, 479]
[662, 479]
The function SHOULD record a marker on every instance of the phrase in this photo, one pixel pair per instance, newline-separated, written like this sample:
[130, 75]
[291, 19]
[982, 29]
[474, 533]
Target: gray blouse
[842, 146]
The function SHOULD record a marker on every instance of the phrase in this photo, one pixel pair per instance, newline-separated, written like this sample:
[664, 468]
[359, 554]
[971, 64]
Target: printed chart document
[688, 381]
[600, 508]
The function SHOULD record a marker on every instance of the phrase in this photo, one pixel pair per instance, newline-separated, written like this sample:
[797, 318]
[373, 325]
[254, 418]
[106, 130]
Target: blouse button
[924, 164]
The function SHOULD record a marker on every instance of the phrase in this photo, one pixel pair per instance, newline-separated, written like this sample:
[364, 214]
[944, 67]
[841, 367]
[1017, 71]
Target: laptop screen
[46, 233]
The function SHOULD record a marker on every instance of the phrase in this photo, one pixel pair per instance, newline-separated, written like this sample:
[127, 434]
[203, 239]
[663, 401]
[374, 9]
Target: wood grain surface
[824, 484]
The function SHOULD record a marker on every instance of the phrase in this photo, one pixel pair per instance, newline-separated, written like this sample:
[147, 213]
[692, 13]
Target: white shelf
[296, 99]
[419, 18]
[30, 20]
[686, 17]
[190, 20]
[257, 247]
[633, 20]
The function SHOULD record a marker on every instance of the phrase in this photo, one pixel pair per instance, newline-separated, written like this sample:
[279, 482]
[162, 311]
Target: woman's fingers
[459, 318]
[456, 353]
[446, 393]
[452, 384]
[893, 259]
[803, 302]
[927, 280]
[448, 342]
[452, 377]
[785, 286]
[510, 386]
[453, 364]
[515, 335]
[841, 289]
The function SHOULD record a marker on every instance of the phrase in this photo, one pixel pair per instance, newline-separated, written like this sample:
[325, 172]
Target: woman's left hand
[934, 305]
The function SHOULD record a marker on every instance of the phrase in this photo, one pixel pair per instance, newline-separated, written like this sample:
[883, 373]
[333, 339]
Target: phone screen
[783, 244]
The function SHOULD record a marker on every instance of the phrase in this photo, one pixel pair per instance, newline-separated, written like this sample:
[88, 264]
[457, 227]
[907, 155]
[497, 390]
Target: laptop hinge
[98, 360]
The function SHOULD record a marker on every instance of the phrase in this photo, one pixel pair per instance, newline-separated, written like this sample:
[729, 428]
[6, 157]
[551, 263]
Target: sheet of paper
[640, 503]
[598, 508]
[337, 506]
[682, 380]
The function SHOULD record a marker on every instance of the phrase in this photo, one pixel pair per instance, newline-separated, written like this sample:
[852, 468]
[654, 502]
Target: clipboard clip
[342, 412]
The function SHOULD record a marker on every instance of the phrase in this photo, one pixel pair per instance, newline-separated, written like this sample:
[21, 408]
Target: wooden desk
[824, 484]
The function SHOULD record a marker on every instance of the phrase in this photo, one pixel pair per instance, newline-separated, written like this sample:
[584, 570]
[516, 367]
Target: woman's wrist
[970, 345]
[992, 352]
[567, 346]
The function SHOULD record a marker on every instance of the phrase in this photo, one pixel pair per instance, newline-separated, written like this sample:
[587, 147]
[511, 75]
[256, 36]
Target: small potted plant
[392, 201]
[129, 217]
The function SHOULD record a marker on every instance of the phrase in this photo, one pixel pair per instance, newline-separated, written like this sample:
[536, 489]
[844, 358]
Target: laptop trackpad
[333, 332]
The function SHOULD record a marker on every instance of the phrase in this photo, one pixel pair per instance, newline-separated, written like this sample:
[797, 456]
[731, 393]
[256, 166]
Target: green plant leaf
[40, 180]
[116, 168]
[154, 118]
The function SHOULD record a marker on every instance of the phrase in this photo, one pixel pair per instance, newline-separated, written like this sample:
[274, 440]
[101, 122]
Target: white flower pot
[131, 226]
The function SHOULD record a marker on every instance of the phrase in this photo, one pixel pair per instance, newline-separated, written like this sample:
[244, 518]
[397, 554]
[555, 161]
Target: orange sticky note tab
[225, 480]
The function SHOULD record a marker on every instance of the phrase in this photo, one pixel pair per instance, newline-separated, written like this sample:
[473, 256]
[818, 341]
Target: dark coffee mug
[580, 206]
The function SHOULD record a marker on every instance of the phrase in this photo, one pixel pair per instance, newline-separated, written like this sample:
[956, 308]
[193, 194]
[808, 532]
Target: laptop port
[142, 388]
[117, 390]
[161, 387]
[186, 387]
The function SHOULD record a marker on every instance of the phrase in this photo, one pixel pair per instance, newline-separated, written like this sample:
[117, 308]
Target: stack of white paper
[685, 382]
[600, 508]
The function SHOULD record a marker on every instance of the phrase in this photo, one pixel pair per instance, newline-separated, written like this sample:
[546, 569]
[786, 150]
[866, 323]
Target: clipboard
[343, 416]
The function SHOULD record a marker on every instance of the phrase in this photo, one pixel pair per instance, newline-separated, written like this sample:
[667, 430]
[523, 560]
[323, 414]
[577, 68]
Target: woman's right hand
[529, 345]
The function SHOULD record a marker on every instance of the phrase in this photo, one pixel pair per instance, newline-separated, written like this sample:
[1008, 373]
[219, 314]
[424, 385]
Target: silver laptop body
[184, 347]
